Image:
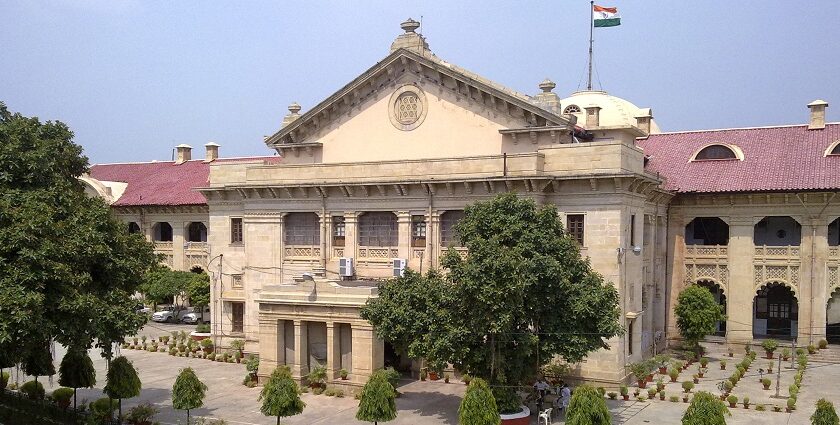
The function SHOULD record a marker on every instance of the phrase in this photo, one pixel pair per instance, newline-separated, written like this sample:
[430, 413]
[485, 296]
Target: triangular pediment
[396, 69]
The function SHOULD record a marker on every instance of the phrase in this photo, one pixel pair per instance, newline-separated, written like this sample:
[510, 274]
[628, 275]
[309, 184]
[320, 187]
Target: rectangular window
[302, 229]
[632, 230]
[378, 229]
[338, 230]
[236, 281]
[238, 317]
[418, 231]
[574, 227]
[235, 230]
[448, 236]
[630, 337]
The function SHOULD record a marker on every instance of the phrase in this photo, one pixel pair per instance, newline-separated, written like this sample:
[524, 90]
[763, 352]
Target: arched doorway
[832, 317]
[720, 297]
[775, 312]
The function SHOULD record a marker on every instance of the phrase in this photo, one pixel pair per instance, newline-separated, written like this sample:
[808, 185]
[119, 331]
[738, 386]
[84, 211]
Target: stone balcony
[774, 253]
[706, 252]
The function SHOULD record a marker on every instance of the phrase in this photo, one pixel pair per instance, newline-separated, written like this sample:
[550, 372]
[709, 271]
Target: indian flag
[605, 16]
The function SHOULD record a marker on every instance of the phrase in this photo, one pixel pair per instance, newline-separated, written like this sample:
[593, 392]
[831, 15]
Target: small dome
[615, 111]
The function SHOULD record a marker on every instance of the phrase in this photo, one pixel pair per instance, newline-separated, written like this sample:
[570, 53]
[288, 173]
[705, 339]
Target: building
[373, 178]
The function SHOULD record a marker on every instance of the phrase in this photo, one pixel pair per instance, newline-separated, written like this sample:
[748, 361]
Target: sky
[133, 79]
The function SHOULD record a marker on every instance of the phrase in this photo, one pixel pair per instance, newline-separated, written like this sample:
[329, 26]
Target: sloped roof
[162, 183]
[513, 97]
[781, 158]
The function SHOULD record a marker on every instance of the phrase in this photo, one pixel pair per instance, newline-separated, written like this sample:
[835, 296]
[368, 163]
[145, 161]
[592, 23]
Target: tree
[163, 284]
[825, 414]
[377, 400]
[188, 392]
[705, 409]
[587, 407]
[76, 371]
[37, 361]
[280, 396]
[495, 314]
[697, 314]
[68, 268]
[122, 381]
[198, 290]
[478, 406]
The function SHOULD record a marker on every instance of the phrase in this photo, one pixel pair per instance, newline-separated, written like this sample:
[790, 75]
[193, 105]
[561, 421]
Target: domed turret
[611, 111]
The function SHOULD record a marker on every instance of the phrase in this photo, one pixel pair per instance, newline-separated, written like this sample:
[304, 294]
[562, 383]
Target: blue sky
[135, 78]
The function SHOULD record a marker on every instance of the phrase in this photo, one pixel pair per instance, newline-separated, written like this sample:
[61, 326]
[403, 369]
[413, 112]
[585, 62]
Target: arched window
[715, 152]
[448, 220]
[572, 109]
[302, 229]
[378, 229]
[133, 228]
[836, 149]
[162, 232]
[197, 232]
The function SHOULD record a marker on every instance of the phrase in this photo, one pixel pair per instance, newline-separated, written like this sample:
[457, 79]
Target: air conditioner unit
[345, 267]
[399, 267]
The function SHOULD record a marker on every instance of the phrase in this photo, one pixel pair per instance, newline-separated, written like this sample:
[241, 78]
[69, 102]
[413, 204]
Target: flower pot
[685, 399]
[787, 409]
[696, 380]
[663, 370]
[521, 418]
[746, 406]
[662, 396]
[722, 366]
[731, 354]
[674, 378]
[769, 354]
[723, 397]
[732, 405]
[642, 383]
[766, 387]
[625, 397]
[650, 378]
[433, 376]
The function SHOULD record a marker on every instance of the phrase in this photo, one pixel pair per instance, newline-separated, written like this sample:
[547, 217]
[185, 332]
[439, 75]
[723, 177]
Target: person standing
[565, 396]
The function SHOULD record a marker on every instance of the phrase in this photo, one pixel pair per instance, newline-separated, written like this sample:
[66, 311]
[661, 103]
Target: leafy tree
[37, 361]
[122, 381]
[587, 407]
[280, 396]
[198, 289]
[76, 371]
[163, 284]
[697, 314]
[188, 392]
[825, 414]
[705, 409]
[495, 314]
[377, 400]
[68, 268]
[478, 406]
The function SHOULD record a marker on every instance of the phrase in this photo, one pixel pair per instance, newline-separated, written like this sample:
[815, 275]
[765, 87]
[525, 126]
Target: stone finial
[409, 25]
[294, 113]
[817, 121]
[547, 85]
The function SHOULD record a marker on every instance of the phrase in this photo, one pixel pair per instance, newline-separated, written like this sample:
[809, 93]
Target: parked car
[170, 314]
[197, 316]
[140, 308]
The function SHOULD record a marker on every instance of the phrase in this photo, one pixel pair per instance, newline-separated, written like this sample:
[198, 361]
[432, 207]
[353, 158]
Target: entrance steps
[829, 355]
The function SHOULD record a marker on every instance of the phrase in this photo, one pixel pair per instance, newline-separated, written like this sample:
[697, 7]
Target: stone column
[675, 278]
[324, 223]
[300, 364]
[433, 250]
[333, 350]
[368, 352]
[812, 294]
[272, 346]
[351, 240]
[404, 230]
[740, 290]
[178, 245]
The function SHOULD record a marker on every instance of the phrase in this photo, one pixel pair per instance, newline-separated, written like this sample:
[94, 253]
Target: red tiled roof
[162, 183]
[775, 159]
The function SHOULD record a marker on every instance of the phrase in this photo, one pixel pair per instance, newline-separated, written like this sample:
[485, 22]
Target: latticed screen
[574, 227]
[301, 229]
[448, 220]
[378, 229]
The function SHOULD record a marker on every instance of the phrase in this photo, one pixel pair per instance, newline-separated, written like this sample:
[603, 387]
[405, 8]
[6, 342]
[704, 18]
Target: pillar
[740, 293]
[324, 229]
[404, 231]
[812, 294]
[178, 245]
[351, 241]
[433, 250]
[368, 352]
[333, 350]
[272, 346]
[300, 365]
[675, 271]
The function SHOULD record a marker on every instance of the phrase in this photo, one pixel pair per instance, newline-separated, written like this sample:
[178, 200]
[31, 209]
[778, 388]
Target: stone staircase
[829, 355]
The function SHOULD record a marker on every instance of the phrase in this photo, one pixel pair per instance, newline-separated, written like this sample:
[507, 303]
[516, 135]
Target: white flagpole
[591, 26]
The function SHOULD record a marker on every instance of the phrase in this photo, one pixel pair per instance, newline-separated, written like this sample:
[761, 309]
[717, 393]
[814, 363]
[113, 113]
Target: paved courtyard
[437, 402]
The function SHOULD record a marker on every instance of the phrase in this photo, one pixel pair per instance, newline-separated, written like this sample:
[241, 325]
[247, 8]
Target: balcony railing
[378, 253]
[196, 246]
[302, 251]
[163, 246]
[706, 251]
[834, 252]
[765, 251]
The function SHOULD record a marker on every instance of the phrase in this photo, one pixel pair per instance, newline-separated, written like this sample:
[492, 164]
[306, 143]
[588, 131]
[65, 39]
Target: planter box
[521, 418]
[198, 336]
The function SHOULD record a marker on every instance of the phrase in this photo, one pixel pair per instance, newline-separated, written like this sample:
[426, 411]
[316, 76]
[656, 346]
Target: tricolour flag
[605, 16]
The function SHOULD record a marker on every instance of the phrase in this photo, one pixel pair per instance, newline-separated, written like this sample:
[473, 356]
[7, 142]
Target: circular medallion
[407, 107]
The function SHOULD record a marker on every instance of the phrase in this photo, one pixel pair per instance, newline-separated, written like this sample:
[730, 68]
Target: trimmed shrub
[825, 414]
[587, 407]
[33, 390]
[705, 409]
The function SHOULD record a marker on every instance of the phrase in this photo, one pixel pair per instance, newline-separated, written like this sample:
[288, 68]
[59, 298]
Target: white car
[169, 314]
[196, 316]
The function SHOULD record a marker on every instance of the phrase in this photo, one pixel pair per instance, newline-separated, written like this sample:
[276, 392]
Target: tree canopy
[280, 396]
[76, 371]
[68, 268]
[188, 391]
[377, 400]
[705, 409]
[478, 406]
[587, 407]
[122, 381]
[697, 314]
[522, 296]
[163, 283]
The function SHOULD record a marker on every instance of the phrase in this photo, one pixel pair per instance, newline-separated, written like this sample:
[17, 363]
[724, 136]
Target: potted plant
[673, 374]
[252, 365]
[733, 400]
[793, 390]
[343, 374]
[685, 398]
[769, 367]
[823, 344]
[640, 370]
[777, 408]
[731, 354]
[660, 384]
[786, 354]
[662, 395]
[434, 375]
[662, 362]
[625, 392]
[651, 393]
[237, 345]
[701, 371]
[723, 365]
[812, 349]
[206, 345]
[446, 377]
[747, 349]
[760, 408]
[746, 402]
[466, 378]
[612, 395]
[727, 387]
[769, 346]
[766, 382]
[687, 386]
[674, 399]
[317, 377]
[791, 405]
